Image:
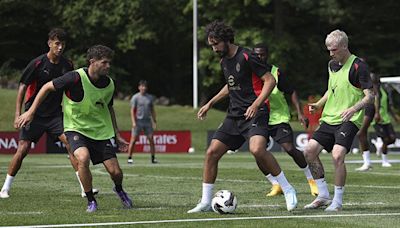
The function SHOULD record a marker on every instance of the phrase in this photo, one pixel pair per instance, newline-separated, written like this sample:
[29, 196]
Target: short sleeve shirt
[142, 106]
[243, 74]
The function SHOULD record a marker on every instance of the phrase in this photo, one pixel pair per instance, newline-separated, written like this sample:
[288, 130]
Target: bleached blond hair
[338, 38]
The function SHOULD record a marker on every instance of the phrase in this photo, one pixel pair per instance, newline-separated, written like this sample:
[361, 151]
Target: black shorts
[328, 135]
[281, 133]
[100, 150]
[370, 111]
[384, 130]
[53, 126]
[233, 132]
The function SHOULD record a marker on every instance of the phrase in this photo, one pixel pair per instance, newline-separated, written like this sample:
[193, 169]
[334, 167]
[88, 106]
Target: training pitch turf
[46, 192]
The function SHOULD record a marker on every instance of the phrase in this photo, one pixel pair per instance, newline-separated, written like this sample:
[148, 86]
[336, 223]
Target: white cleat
[291, 199]
[130, 161]
[4, 194]
[318, 202]
[200, 207]
[95, 192]
[386, 164]
[364, 168]
[334, 207]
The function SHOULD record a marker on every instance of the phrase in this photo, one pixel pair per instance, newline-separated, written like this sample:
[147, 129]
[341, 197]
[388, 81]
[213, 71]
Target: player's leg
[148, 131]
[344, 137]
[131, 148]
[285, 139]
[113, 168]
[388, 137]
[74, 163]
[362, 135]
[29, 133]
[275, 188]
[322, 138]
[214, 153]
[268, 164]
[14, 166]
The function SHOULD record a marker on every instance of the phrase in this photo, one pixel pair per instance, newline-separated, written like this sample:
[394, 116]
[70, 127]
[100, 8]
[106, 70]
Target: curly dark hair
[219, 31]
[58, 33]
[98, 52]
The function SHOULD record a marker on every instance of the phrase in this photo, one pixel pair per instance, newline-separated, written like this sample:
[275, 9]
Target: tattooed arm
[367, 99]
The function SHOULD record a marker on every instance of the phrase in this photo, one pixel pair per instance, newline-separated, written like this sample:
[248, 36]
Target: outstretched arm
[313, 107]
[202, 113]
[123, 145]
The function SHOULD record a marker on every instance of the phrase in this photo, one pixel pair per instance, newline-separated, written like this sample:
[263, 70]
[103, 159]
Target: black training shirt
[242, 74]
[37, 73]
[358, 75]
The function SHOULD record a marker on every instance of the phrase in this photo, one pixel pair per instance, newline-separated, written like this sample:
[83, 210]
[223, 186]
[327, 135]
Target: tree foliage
[153, 38]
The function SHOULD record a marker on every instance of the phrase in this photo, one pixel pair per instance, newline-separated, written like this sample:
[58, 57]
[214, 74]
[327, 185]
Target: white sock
[79, 180]
[338, 198]
[366, 158]
[323, 191]
[384, 158]
[307, 172]
[272, 179]
[206, 197]
[283, 182]
[8, 182]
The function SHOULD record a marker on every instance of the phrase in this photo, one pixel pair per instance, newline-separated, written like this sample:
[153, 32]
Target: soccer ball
[224, 202]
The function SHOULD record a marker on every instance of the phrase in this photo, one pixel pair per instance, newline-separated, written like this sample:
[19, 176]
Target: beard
[224, 52]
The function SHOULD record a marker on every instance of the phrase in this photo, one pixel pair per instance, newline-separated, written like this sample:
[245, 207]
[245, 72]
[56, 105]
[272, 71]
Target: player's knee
[213, 154]
[257, 150]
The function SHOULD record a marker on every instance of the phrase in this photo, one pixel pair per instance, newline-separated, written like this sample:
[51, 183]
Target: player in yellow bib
[278, 125]
[89, 120]
[349, 92]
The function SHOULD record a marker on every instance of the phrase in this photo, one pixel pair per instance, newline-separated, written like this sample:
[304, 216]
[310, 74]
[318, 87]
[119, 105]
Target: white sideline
[208, 220]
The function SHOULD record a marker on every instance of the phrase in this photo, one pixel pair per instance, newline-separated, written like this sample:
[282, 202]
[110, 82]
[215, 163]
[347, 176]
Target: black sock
[129, 157]
[152, 157]
[90, 196]
[118, 187]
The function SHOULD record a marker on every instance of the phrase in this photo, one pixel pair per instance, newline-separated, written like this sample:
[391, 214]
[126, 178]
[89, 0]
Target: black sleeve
[111, 103]
[66, 81]
[359, 75]
[257, 66]
[28, 75]
[283, 83]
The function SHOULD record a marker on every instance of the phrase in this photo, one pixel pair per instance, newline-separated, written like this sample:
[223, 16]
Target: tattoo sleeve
[368, 99]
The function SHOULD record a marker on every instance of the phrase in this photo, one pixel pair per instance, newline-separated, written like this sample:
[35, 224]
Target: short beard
[224, 52]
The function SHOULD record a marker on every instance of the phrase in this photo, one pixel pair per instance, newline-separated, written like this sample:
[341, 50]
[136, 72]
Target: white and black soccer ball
[224, 202]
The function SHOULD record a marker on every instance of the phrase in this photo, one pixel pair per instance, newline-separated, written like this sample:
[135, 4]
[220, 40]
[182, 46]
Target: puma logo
[343, 133]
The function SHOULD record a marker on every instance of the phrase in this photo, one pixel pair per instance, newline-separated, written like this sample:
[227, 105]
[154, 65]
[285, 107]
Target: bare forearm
[367, 99]
[220, 95]
[269, 84]
[20, 99]
[133, 116]
[296, 102]
[113, 120]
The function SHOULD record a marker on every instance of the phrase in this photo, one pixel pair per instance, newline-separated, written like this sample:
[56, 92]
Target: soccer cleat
[154, 161]
[291, 199]
[317, 203]
[95, 192]
[313, 187]
[364, 168]
[275, 190]
[4, 194]
[125, 200]
[91, 207]
[334, 207]
[130, 161]
[200, 207]
[386, 164]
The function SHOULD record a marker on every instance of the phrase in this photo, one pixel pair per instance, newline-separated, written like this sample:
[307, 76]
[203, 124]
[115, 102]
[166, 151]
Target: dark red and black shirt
[358, 75]
[37, 73]
[243, 74]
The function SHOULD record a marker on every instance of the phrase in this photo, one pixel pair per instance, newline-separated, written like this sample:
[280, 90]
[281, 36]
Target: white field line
[21, 212]
[331, 216]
